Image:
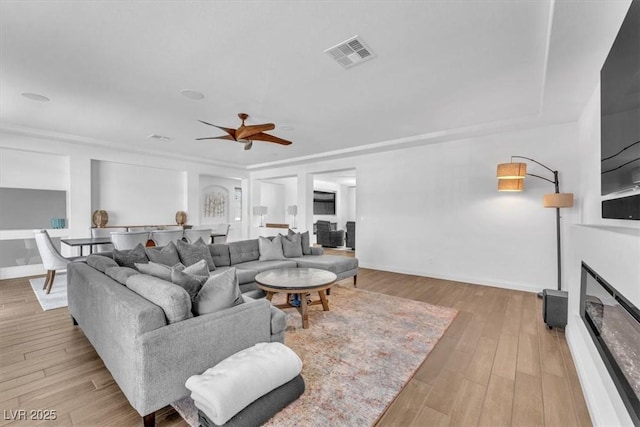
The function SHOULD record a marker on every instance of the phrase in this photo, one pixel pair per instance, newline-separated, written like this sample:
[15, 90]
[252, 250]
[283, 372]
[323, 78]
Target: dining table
[86, 241]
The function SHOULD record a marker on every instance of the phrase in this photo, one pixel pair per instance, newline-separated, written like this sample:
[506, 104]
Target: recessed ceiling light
[35, 97]
[192, 94]
[285, 127]
[160, 137]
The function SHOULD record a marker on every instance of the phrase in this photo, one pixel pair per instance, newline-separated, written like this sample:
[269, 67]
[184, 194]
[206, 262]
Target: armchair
[351, 234]
[328, 237]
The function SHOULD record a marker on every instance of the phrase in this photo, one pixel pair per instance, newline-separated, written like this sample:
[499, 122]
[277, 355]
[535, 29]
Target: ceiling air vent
[350, 52]
[160, 137]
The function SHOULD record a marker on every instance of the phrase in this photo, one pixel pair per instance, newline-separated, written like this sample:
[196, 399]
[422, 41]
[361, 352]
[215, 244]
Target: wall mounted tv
[324, 203]
[620, 111]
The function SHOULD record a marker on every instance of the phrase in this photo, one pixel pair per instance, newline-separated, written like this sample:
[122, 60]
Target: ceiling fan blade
[248, 145]
[229, 137]
[270, 138]
[230, 131]
[244, 132]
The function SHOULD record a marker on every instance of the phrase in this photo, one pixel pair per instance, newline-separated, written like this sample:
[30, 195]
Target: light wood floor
[496, 365]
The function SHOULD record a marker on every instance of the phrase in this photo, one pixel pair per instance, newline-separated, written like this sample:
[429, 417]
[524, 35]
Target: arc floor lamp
[511, 178]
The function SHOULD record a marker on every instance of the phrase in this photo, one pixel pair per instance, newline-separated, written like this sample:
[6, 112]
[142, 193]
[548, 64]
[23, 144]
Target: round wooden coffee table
[298, 281]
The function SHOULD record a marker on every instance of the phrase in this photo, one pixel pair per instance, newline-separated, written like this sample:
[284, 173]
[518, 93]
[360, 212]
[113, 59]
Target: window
[324, 203]
[237, 203]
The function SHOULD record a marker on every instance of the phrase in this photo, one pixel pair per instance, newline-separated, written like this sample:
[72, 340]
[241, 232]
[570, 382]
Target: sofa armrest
[317, 250]
[278, 321]
[167, 356]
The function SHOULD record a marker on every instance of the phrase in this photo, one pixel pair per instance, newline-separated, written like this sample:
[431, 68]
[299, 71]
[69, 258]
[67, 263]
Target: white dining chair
[221, 229]
[193, 234]
[104, 232]
[129, 239]
[164, 237]
[51, 258]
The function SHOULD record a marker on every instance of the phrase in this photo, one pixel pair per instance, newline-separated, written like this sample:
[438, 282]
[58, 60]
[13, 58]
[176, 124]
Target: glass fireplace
[614, 325]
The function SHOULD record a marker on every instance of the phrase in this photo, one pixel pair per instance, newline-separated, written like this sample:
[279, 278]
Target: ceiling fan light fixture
[192, 94]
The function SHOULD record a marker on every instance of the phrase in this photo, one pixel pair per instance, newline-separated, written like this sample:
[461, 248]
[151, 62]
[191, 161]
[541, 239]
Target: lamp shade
[558, 200]
[510, 184]
[511, 170]
[259, 210]
[292, 210]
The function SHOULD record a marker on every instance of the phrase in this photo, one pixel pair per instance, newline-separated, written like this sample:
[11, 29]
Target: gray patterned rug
[356, 357]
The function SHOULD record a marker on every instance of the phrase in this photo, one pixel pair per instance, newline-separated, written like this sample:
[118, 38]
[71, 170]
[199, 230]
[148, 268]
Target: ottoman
[251, 385]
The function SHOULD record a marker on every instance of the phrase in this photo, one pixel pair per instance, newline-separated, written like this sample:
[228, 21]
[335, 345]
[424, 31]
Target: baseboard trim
[456, 278]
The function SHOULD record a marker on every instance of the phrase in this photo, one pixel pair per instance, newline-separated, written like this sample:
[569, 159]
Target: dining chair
[51, 258]
[193, 234]
[104, 232]
[221, 229]
[164, 237]
[129, 239]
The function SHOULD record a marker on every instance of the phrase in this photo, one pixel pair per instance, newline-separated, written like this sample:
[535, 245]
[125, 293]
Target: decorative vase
[100, 218]
[181, 217]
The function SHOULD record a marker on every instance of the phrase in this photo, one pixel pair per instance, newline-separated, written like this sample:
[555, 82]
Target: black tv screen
[620, 109]
[324, 203]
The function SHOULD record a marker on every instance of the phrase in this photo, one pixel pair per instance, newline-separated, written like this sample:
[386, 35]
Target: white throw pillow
[270, 250]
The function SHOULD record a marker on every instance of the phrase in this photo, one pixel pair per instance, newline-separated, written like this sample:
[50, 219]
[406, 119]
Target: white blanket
[230, 386]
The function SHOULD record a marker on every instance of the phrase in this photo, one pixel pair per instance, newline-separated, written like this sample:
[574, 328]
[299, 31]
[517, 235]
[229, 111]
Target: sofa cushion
[244, 275]
[192, 253]
[261, 266]
[167, 255]
[101, 263]
[174, 300]
[304, 241]
[120, 274]
[334, 263]
[292, 245]
[220, 291]
[220, 254]
[155, 269]
[270, 249]
[128, 257]
[191, 281]
[243, 251]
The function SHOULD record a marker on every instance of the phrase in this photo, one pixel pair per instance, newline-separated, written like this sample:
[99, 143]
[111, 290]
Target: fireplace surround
[613, 323]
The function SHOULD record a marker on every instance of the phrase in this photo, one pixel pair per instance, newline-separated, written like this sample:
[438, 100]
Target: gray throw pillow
[200, 268]
[101, 263]
[128, 258]
[154, 269]
[192, 253]
[167, 255]
[220, 291]
[305, 242]
[174, 301]
[270, 249]
[192, 283]
[292, 246]
[120, 274]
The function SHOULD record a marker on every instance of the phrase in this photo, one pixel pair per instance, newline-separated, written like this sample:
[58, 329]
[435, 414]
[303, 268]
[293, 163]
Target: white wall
[351, 213]
[434, 210]
[137, 195]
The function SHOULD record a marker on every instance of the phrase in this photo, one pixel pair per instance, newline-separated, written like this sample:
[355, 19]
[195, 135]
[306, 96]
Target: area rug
[56, 298]
[356, 357]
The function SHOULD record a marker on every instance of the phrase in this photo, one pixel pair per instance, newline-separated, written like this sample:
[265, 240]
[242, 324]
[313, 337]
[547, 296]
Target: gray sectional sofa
[151, 358]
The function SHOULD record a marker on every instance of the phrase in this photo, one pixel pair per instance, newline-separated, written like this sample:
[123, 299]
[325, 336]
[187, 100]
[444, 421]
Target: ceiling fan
[246, 134]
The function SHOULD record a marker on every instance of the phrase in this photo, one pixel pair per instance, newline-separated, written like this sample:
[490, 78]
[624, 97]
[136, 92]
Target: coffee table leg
[304, 312]
[269, 296]
[325, 302]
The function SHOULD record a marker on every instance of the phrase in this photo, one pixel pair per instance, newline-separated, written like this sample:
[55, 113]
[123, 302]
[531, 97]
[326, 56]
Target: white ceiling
[444, 69]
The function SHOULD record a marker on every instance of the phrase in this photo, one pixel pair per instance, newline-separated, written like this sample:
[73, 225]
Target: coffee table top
[295, 278]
